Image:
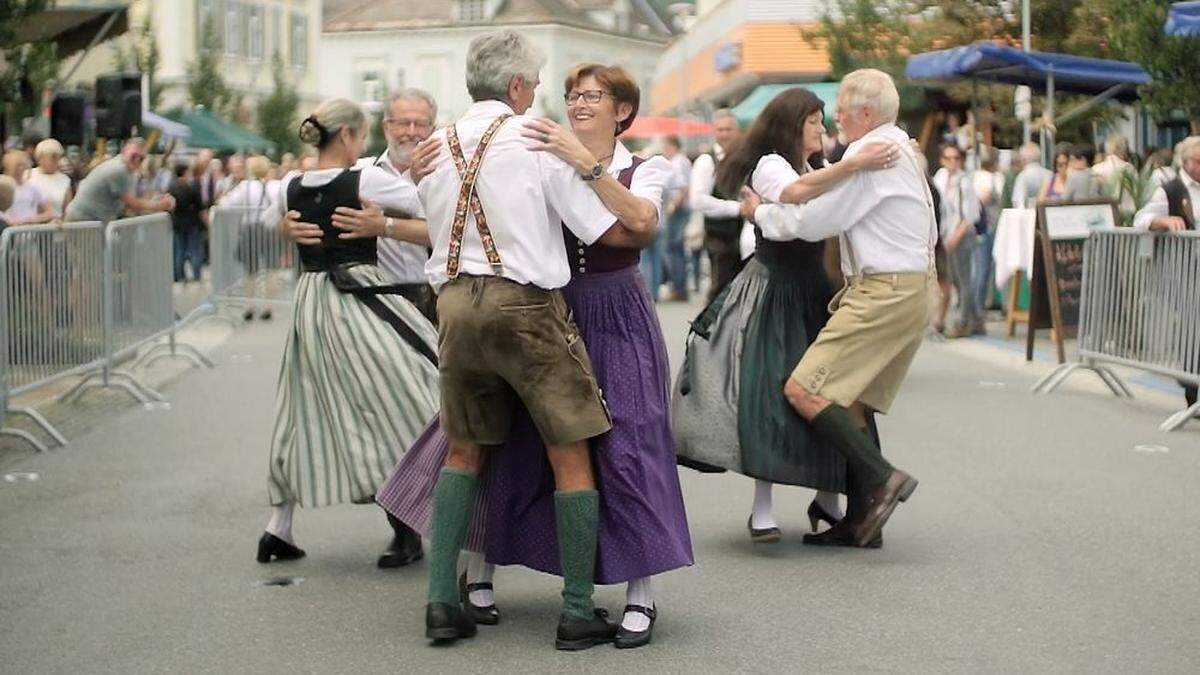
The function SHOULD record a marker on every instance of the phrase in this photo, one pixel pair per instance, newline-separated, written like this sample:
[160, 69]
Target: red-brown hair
[616, 80]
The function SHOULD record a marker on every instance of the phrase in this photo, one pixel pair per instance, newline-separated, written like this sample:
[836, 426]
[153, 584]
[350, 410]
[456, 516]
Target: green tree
[1135, 33]
[277, 112]
[141, 55]
[25, 68]
[206, 86]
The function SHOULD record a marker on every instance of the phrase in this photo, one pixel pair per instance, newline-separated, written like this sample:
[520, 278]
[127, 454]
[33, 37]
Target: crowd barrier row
[251, 264]
[1140, 308]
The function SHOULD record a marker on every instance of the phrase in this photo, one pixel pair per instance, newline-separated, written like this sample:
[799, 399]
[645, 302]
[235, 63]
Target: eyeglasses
[404, 124]
[591, 96]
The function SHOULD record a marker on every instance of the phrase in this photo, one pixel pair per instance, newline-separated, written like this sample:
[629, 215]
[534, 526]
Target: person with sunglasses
[109, 190]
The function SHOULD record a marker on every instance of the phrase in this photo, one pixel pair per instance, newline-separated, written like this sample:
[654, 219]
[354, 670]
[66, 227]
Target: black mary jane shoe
[405, 548]
[270, 546]
[632, 639]
[576, 634]
[265, 315]
[487, 616]
[766, 535]
[248, 315]
[445, 623]
[817, 513]
[841, 537]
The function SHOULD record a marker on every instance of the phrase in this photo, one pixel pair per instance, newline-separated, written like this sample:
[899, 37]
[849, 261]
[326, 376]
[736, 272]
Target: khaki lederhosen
[502, 344]
[878, 322]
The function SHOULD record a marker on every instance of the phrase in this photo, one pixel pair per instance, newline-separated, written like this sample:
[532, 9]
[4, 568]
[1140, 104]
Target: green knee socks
[453, 498]
[578, 517]
[866, 461]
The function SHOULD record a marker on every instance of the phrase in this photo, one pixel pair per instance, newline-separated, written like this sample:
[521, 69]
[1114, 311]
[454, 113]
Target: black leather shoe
[575, 634]
[817, 513]
[841, 536]
[270, 546]
[632, 639]
[446, 623]
[488, 616]
[248, 315]
[767, 535]
[405, 548]
[265, 315]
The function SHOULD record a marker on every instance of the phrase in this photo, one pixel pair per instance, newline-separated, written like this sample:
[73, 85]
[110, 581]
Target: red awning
[650, 127]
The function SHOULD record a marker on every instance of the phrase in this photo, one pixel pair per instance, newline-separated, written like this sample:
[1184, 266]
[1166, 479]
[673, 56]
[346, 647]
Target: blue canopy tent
[1183, 19]
[988, 62]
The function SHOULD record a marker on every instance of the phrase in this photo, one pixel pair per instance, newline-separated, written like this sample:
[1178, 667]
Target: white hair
[1031, 153]
[48, 147]
[329, 118]
[1116, 145]
[494, 59]
[414, 94]
[1186, 148]
[873, 89]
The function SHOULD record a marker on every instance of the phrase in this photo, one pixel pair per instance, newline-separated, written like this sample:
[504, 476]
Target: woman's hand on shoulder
[549, 136]
[874, 156]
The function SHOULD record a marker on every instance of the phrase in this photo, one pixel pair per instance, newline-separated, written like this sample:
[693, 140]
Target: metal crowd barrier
[1140, 307]
[51, 313]
[251, 264]
[138, 305]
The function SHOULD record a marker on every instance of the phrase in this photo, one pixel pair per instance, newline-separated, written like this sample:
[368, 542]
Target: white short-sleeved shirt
[525, 194]
[54, 187]
[27, 200]
[771, 175]
[403, 261]
[649, 180]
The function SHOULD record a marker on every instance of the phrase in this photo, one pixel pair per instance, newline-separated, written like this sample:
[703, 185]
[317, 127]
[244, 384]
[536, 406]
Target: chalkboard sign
[1057, 275]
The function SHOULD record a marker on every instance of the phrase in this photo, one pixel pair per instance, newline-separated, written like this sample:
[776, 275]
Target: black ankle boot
[405, 548]
[446, 623]
[575, 634]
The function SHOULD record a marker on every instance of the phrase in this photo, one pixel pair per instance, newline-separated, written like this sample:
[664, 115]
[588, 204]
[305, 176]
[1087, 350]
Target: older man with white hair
[496, 211]
[887, 230]
[1029, 181]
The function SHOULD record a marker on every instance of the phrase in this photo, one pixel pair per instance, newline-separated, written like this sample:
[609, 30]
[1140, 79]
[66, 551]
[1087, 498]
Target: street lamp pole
[1027, 131]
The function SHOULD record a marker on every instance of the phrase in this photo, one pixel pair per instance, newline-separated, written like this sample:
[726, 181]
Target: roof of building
[369, 15]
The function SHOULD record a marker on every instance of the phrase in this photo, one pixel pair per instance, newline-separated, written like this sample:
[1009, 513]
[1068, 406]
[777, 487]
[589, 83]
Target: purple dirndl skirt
[643, 525]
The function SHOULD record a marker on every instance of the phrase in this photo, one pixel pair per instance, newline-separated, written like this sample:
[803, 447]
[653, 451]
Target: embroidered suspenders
[468, 198]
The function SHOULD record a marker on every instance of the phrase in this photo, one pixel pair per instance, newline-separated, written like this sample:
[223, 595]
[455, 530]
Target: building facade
[733, 46]
[248, 33]
[371, 48]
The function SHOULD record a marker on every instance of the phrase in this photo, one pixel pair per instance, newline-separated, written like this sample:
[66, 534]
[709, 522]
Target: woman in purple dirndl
[643, 526]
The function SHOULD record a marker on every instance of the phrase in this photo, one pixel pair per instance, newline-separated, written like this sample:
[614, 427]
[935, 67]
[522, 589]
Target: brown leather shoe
[843, 536]
[897, 488]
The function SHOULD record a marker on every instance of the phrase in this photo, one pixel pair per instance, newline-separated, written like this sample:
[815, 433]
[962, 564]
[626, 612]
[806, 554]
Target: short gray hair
[494, 59]
[414, 94]
[874, 89]
[1031, 153]
[1116, 145]
[1186, 147]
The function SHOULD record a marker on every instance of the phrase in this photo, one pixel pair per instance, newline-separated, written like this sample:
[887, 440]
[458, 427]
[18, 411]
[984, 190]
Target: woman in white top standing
[359, 378]
[49, 178]
[258, 247]
[30, 206]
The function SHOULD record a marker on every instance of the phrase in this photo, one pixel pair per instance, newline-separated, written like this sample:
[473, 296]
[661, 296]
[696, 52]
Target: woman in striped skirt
[359, 375]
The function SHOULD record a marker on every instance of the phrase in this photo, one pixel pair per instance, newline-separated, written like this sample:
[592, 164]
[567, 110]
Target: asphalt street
[1049, 534]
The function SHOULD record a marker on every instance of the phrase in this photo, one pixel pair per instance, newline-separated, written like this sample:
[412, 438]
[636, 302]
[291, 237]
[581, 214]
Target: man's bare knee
[806, 403]
[464, 456]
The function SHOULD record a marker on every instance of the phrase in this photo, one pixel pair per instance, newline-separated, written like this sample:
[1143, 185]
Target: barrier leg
[1050, 382]
[1175, 422]
[24, 435]
[42, 422]
[1116, 384]
[179, 350]
[116, 379]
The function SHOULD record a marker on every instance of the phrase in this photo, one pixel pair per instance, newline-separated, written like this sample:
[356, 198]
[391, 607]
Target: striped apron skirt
[353, 394]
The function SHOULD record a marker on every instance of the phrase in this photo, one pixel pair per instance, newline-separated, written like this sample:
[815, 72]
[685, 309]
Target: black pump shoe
[487, 616]
[767, 535]
[817, 513]
[405, 548]
[632, 639]
[270, 546]
[575, 634]
[446, 623]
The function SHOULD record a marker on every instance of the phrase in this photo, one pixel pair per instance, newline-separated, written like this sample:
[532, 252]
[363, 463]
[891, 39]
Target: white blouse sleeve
[390, 193]
[649, 181]
[771, 176]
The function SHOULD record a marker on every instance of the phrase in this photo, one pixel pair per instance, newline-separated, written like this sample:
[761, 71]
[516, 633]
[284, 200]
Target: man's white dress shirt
[403, 261]
[884, 216]
[959, 202]
[704, 179]
[525, 195]
[1157, 206]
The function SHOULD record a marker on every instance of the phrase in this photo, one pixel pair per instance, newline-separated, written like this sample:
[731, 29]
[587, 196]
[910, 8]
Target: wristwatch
[389, 228]
[594, 173]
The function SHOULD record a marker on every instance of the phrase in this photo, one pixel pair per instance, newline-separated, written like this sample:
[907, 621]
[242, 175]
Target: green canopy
[758, 99]
[210, 131]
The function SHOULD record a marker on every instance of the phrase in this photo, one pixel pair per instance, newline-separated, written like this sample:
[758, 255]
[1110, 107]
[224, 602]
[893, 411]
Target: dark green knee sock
[578, 517]
[453, 498]
[835, 425]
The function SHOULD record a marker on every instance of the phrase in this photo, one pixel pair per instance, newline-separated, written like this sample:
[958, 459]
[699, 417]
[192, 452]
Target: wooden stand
[1013, 315]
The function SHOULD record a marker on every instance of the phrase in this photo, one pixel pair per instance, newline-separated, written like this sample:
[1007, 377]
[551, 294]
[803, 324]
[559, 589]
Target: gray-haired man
[494, 208]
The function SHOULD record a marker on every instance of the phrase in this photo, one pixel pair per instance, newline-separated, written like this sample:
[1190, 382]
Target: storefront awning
[752, 105]
[1183, 19]
[74, 24]
[210, 131]
[166, 127]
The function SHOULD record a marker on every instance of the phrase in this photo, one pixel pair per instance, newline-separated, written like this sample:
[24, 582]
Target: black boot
[445, 622]
[405, 548]
[575, 634]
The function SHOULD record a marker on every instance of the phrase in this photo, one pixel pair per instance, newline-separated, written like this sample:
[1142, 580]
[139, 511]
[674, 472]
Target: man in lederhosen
[505, 338]
[887, 232]
[722, 222]
[1175, 207]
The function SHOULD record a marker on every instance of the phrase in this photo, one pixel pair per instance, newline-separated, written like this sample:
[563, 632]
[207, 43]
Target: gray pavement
[1048, 534]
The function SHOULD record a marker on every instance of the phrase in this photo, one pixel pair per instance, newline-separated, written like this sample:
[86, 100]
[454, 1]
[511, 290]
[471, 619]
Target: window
[472, 10]
[299, 42]
[371, 87]
[254, 33]
[233, 28]
[206, 16]
[274, 41]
